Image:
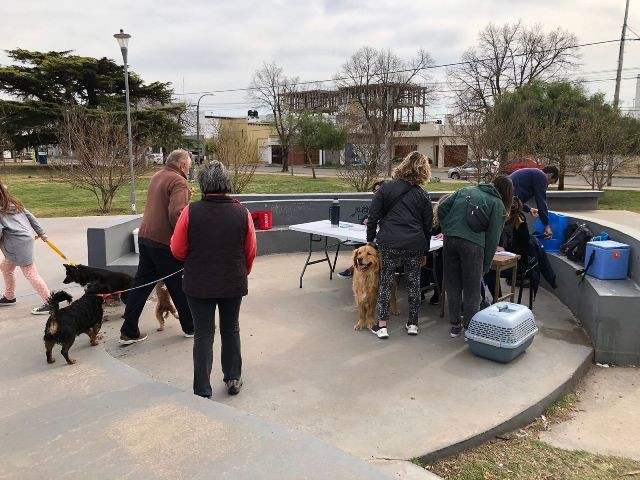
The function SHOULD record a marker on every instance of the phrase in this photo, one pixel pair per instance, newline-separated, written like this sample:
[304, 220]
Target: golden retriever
[366, 280]
[164, 305]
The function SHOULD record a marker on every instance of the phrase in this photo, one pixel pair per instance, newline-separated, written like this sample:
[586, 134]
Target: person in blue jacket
[531, 183]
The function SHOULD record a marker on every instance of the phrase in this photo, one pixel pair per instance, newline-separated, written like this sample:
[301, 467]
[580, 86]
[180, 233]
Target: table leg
[496, 291]
[514, 273]
[325, 259]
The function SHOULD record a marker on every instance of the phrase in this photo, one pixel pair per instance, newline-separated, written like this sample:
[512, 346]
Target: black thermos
[334, 213]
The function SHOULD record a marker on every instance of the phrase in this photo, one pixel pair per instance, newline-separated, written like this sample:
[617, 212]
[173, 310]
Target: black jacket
[408, 225]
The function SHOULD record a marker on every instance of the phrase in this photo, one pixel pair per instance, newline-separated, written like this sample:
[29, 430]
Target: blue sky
[201, 45]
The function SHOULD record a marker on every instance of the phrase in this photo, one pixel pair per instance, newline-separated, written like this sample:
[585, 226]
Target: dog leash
[57, 250]
[107, 295]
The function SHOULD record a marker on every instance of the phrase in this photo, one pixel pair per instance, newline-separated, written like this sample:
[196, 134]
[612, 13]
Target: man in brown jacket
[168, 194]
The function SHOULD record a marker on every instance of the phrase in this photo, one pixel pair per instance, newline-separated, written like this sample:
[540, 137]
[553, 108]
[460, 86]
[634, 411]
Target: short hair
[377, 184]
[553, 170]
[413, 169]
[177, 157]
[214, 178]
[504, 186]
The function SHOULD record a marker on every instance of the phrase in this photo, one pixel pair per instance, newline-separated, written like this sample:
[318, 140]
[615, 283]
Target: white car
[470, 170]
[156, 158]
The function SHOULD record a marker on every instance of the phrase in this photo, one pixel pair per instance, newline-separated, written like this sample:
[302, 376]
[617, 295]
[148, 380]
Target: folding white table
[345, 233]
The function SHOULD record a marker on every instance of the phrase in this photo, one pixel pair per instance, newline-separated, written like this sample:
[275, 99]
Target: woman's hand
[44, 238]
[423, 261]
[371, 244]
[500, 249]
[439, 236]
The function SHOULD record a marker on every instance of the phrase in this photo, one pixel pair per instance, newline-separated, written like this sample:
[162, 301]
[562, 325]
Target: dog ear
[355, 257]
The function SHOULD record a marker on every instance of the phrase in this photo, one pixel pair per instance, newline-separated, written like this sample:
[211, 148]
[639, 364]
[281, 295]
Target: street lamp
[123, 41]
[198, 130]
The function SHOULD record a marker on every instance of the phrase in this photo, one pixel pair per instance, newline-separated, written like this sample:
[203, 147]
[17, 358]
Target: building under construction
[401, 100]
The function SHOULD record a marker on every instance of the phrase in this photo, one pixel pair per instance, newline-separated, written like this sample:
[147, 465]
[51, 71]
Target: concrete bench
[607, 309]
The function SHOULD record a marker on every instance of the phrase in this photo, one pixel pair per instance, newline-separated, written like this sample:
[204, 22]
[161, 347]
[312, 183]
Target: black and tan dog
[164, 305]
[65, 324]
[111, 281]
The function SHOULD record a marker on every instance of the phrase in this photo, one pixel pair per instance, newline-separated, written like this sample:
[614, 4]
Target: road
[572, 181]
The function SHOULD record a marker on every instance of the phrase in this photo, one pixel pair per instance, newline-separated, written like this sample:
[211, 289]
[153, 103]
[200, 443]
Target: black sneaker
[41, 310]
[124, 340]
[5, 302]
[346, 273]
[434, 300]
[233, 386]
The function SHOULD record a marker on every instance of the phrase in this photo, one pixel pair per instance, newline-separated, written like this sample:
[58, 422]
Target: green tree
[314, 132]
[45, 85]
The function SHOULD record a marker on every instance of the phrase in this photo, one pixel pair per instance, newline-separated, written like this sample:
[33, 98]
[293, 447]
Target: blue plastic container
[558, 223]
[611, 261]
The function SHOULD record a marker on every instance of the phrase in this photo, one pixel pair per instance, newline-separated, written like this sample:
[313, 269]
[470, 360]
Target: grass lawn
[521, 456]
[45, 197]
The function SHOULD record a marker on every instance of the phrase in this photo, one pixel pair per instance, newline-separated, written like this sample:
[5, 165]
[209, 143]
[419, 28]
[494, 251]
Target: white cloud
[218, 44]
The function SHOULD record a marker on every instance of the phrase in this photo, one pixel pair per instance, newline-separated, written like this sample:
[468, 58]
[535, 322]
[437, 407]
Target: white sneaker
[411, 329]
[189, 335]
[380, 332]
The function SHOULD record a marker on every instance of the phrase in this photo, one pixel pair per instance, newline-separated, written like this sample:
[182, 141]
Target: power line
[406, 70]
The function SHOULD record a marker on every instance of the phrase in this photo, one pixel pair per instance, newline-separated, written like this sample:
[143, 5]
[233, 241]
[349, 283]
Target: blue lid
[609, 244]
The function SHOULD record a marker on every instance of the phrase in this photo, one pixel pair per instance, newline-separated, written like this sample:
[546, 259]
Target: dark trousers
[391, 258]
[204, 312]
[463, 273]
[154, 263]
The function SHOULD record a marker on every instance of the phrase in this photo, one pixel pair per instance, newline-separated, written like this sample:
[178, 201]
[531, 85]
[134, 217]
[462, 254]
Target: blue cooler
[611, 260]
[558, 223]
[501, 332]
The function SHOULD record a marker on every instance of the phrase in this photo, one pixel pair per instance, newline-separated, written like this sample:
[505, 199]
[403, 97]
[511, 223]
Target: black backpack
[575, 247]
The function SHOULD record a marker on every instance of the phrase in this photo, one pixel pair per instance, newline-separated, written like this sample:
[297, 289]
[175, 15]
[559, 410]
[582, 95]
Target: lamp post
[123, 41]
[198, 130]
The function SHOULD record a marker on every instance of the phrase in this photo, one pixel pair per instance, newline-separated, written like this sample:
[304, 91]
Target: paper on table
[506, 254]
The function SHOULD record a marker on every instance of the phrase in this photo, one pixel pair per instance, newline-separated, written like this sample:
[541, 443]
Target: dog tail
[54, 304]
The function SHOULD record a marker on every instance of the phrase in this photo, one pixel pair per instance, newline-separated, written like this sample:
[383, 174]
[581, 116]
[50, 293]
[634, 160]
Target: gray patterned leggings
[391, 257]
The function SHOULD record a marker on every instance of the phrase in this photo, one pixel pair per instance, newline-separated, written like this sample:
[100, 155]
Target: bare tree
[237, 153]
[270, 87]
[100, 145]
[508, 57]
[381, 86]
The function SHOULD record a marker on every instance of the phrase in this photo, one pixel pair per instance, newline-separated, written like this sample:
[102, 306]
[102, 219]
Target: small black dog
[65, 324]
[111, 281]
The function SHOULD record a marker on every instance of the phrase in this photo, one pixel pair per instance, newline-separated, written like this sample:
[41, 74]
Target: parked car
[523, 162]
[470, 170]
[155, 158]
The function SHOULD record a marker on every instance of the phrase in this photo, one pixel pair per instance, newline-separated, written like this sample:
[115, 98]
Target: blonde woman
[403, 211]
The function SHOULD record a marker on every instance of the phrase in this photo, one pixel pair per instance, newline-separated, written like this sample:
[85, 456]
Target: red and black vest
[216, 265]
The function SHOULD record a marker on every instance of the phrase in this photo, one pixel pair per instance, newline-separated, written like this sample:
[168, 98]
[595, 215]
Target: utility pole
[616, 96]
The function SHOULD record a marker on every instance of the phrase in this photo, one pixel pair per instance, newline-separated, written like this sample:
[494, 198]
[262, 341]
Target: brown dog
[366, 280]
[164, 305]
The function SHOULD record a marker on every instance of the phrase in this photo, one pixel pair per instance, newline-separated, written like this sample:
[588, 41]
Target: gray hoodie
[16, 236]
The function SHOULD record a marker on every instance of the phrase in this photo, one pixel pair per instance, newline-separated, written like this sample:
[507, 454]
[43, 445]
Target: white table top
[345, 231]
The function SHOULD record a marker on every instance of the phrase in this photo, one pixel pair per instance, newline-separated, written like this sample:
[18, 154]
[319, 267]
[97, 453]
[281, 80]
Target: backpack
[575, 247]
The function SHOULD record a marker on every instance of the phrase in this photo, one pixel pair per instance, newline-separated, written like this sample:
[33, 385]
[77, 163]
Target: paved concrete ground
[304, 368]
[608, 416]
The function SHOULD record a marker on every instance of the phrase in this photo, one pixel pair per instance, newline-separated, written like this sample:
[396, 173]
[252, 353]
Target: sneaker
[456, 330]
[124, 340]
[412, 329]
[41, 310]
[5, 302]
[189, 335]
[346, 273]
[233, 386]
[434, 300]
[380, 332]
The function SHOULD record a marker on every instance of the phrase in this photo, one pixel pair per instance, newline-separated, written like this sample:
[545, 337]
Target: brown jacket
[168, 194]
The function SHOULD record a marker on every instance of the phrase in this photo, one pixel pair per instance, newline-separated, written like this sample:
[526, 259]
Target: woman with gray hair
[215, 273]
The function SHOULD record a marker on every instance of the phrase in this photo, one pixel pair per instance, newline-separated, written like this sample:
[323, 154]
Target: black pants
[154, 263]
[391, 258]
[464, 261]
[204, 312]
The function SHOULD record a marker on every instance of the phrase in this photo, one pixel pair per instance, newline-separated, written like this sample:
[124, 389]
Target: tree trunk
[285, 159]
[308, 157]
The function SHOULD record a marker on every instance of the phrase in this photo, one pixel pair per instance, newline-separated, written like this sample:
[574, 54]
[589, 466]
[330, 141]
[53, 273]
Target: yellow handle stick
[58, 251]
